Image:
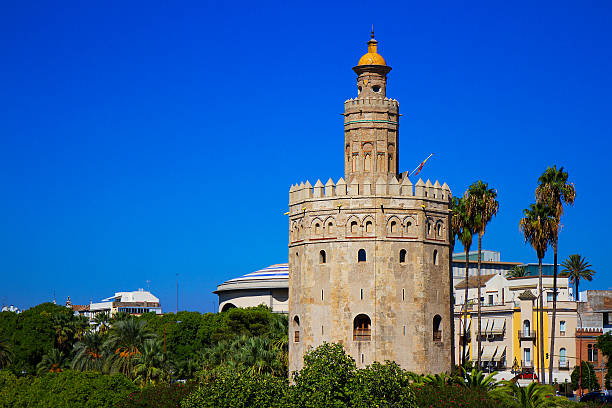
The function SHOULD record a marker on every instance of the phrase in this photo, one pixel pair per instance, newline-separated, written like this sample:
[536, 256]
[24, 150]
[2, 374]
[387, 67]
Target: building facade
[369, 255]
[135, 303]
[509, 329]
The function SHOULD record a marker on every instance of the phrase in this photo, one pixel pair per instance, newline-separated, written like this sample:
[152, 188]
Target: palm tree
[477, 380]
[88, 353]
[555, 190]
[80, 326]
[125, 341]
[517, 271]
[577, 268]
[539, 228]
[54, 361]
[64, 330]
[6, 355]
[453, 231]
[463, 223]
[481, 205]
[102, 322]
[149, 364]
[532, 396]
[257, 355]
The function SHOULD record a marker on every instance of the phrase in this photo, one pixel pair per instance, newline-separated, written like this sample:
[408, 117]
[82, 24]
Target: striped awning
[469, 325]
[497, 326]
[484, 323]
[488, 351]
[499, 356]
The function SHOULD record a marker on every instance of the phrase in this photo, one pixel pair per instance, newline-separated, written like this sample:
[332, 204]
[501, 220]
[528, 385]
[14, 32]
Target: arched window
[362, 328]
[330, 228]
[389, 162]
[439, 230]
[402, 256]
[367, 162]
[562, 357]
[437, 331]
[435, 257]
[322, 257]
[369, 227]
[592, 352]
[361, 255]
[428, 228]
[317, 229]
[526, 328]
[408, 226]
[393, 227]
[354, 159]
[354, 227]
[296, 328]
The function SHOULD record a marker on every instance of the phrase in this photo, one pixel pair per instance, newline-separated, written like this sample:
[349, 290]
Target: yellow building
[509, 327]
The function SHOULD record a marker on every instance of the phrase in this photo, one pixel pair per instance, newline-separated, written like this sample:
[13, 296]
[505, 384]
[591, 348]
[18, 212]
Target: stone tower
[369, 254]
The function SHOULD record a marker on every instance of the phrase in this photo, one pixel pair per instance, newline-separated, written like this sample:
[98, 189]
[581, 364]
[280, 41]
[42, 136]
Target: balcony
[362, 335]
[527, 335]
[527, 364]
[564, 365]
[296, 336]
[437, 335]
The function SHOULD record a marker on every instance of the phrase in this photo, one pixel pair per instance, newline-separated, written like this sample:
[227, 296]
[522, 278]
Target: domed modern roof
[273, 276]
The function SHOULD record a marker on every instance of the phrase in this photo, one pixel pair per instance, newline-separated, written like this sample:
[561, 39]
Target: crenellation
[419, 189]
[434, 193]
[330, 188]
[318, 189]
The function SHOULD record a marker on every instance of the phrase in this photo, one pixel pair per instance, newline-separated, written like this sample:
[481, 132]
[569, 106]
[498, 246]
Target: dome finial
[372, 35]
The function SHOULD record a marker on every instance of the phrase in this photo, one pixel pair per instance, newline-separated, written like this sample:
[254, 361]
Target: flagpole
[423, 162]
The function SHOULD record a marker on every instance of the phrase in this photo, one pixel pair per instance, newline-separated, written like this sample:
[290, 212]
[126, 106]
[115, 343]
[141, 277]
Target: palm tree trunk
[479, 303]
[554, 317]
[451, 287]
[465, 304]
[542, 370]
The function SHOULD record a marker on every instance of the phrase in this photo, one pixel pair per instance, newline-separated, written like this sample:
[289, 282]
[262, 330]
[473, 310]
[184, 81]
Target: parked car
[597, 396]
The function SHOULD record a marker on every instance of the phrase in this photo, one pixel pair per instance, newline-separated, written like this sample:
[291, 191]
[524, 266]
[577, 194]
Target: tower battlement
[386, 102]
[300, 193]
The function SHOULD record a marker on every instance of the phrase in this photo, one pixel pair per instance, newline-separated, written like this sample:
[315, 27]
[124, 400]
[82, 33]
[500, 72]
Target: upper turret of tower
[372, 72]
[372, 57]
[371, 122]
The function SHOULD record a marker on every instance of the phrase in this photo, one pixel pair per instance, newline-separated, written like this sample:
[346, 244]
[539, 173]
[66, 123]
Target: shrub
[453, 396]
[158, 396]
[67, 389]
[239, 390]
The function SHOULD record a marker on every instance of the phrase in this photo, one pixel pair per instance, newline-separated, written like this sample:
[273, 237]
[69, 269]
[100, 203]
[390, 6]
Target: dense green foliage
[64, 389]
[233, 359]
[158, 396]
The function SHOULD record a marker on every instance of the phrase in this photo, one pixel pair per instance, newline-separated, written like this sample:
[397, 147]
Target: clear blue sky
[145, 139]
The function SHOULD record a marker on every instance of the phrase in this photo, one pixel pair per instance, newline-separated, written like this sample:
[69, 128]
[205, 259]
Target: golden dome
[372, 57]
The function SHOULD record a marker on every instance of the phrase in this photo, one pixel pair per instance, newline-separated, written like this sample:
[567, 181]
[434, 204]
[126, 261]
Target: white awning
[483, 325]
[488, 351]
[500, 354]
[497, 326]
[469, 325]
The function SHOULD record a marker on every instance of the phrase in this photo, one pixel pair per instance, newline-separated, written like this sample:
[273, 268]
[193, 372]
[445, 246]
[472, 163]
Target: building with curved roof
[268, 286]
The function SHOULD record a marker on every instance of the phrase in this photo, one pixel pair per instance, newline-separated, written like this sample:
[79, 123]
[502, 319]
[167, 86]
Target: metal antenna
[148, 288]
[372, 35]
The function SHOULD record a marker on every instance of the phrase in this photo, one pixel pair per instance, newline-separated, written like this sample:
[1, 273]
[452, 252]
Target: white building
[134, 303]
